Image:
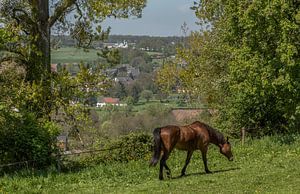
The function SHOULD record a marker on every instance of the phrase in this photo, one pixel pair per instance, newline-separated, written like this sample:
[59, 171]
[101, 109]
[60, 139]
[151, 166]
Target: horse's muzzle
[230, 159]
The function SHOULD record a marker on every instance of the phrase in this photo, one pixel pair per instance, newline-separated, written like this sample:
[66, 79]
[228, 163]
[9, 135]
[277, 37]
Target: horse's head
[225, 149]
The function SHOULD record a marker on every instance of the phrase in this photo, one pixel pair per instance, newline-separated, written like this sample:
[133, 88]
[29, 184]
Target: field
[73, 55]
[269, 165]
[77, 55]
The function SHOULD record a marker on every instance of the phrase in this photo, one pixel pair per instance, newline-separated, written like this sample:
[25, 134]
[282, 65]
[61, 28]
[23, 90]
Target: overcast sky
[160, 18]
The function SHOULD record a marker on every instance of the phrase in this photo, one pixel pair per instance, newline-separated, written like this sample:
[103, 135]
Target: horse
[195, 136]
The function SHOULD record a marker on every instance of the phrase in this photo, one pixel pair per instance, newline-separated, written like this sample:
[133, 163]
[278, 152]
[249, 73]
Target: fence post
[243, 133]
[58, 162]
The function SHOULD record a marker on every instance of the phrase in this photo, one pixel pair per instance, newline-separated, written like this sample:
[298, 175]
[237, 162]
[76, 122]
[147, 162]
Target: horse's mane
[215, 136]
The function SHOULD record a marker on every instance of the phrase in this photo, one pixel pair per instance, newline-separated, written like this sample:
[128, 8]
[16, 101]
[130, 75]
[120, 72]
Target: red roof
[111, 100]
[54, 68]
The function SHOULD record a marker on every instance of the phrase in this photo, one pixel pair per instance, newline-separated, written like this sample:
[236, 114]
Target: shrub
[134, 146]
[24, 138]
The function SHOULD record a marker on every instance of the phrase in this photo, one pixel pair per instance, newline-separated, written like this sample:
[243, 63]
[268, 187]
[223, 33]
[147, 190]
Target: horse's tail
[157, 147]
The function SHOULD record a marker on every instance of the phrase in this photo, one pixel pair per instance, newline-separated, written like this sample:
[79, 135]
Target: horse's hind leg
[168, 170]
[187, 161]
[164, 164]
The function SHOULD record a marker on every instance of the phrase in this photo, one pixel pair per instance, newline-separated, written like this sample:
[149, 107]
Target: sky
[160, 18]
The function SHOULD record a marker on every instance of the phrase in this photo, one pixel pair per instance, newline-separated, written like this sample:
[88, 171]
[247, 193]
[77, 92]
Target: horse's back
[201, 129]
[188, 137]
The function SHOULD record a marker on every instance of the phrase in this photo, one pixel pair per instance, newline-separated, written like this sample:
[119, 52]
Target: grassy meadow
[268, 165]
[73, 55]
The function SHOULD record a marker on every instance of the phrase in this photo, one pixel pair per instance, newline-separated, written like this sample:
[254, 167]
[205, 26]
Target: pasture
[268, 165]
[73, 55]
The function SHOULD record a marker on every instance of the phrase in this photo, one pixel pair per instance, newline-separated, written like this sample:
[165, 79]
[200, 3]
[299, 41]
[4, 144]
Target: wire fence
[59, 156]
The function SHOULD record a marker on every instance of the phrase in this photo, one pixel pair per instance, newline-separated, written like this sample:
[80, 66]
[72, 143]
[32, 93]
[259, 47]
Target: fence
[58, 157]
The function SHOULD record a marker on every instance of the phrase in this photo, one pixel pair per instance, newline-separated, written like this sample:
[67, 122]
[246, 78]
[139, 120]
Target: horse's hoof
[208, 172]
[168, 174]
[161, 178]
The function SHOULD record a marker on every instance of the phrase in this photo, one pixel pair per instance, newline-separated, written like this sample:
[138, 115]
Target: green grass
[73, 55]
[269, 165]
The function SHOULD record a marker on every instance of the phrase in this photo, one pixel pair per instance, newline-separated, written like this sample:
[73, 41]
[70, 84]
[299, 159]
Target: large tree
[36, 104]
[246, 63]
[262, 38]
[32, 22]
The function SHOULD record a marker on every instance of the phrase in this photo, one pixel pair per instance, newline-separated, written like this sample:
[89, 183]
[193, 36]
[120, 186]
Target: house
[109, 101]
[123, 73]
[54, 68]
[62, 142]
[123, 80]
[133, 72]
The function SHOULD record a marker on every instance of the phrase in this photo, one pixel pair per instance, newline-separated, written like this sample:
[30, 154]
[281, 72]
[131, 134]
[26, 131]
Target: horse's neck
[216, 137]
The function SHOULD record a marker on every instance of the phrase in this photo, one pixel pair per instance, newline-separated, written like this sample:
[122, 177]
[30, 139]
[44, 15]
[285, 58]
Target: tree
[120, 91]
[30, 24]
[135, 93]
[263, 77]
[38, 102]
[147, 94]
[112, 56]
[245, 63]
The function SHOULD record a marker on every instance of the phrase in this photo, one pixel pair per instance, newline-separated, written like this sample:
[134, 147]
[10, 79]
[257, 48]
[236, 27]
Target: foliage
[117, 121]
[135, 93]
[264, 75]
[128, 55]
[56, 98]
[112, 56]
[265, 166]
[130, 147]
[167, 77]
[30, 23]
[25, 138]
[147, 94]
[120, 91]
[246, 64]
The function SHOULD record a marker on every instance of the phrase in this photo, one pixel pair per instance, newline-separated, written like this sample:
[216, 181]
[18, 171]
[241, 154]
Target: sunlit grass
[269, 165]
[73, 55]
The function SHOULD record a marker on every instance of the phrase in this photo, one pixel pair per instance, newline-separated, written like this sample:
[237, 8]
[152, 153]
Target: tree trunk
[44, 31]
[39, 67]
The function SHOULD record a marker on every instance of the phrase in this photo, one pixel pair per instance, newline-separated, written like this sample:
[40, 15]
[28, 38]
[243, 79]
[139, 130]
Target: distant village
[123, 73]
[157, 49]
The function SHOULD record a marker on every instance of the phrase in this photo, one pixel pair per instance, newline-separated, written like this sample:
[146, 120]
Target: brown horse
[195, 136]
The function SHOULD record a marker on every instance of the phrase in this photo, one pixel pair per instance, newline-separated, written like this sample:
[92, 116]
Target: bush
[134, 146]
[24, 138]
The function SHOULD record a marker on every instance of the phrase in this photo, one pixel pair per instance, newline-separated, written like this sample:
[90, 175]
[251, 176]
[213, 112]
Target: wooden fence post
[58, 160]
[243, 133]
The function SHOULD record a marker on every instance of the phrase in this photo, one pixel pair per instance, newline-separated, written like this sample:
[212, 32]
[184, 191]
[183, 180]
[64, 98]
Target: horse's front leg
[205, 161]
[187, 161]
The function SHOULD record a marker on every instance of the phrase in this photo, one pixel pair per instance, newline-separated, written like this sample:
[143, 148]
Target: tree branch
[22, 16]
[60, 10]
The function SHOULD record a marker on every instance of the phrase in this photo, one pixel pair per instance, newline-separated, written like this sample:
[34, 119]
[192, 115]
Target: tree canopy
[246, 63]
[46, 102]
[32, 22]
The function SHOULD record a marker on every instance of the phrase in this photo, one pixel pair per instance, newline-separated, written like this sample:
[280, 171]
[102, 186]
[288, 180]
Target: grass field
[269, 165]
[73, 55]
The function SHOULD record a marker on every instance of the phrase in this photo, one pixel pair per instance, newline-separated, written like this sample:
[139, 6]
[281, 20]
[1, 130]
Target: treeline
[246, 65]
[151, 43]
